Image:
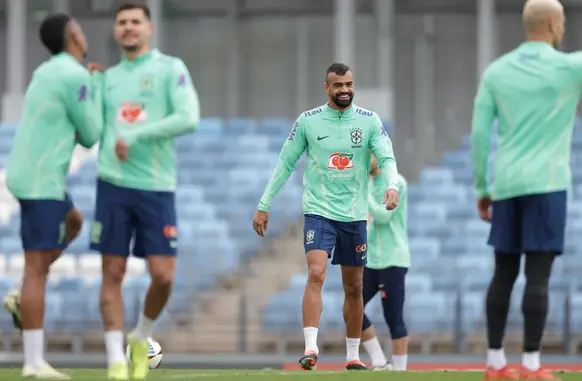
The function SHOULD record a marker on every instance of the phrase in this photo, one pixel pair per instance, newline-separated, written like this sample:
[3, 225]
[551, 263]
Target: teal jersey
[387, 234]
[147, 102]
[338, 146]
[533, 92]
[61, 108]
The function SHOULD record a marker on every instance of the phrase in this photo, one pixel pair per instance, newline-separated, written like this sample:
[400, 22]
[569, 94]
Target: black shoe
[356, 365]
[309, 361]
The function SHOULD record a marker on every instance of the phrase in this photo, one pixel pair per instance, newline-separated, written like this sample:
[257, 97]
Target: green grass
[274, 375]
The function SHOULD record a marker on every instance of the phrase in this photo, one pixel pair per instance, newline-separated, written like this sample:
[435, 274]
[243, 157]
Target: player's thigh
[506, 225]
[370, 284]
[43, 224]
[156, 230]
[351, 249]
[544, 224]
[113, 224]
[319, 235]
[393, 291]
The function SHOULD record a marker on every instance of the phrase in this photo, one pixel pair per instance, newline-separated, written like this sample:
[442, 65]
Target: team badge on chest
[356, 137]
[146, 84]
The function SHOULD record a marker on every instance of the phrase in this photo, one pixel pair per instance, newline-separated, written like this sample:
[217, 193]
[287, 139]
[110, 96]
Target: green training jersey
[387, 234]
[338, 146]
[147, 102]
[533, 92]
[61, 107]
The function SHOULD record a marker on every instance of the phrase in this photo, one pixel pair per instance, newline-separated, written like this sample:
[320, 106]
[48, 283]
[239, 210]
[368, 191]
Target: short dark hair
[53, 31]
[129, 5]
[337, 68]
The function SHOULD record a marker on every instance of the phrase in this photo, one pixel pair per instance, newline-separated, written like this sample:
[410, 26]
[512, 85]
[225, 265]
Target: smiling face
[340, 89]
[132, 29]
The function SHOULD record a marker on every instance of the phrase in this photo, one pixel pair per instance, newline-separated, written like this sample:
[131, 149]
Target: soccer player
[388, 263]
[533, 92]
[149, 99]
[61, 108]
[338, 138]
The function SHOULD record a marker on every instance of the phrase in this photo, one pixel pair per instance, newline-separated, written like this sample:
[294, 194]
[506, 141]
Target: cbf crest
[146, 84]
[309, 236]
[356, 137]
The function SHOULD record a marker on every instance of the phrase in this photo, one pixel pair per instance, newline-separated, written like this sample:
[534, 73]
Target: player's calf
[111, 306]
[353, 309]
[312, 304]
[162, 272]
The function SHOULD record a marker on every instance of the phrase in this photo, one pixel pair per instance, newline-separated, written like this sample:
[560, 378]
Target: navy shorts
[390, 283]
[529, 224]
[345, 240]
[149, 217]
[42, 224]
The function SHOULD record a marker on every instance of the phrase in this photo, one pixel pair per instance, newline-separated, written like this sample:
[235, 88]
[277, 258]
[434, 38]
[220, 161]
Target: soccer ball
[154, 354]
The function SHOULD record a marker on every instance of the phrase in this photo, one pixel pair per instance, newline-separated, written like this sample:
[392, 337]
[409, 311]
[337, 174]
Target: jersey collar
[535, 45]
[336, 113]
[153, 53]
[65, 57]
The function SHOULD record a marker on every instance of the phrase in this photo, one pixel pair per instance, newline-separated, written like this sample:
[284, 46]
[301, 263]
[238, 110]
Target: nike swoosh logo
[322, 137]
[364, 257]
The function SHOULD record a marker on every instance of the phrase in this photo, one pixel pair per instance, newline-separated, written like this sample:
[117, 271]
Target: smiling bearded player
[338, 138]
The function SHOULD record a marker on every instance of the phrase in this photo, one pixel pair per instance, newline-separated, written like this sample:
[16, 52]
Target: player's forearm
[90, 131]
[389, 171]
[173, 125]
[378, 211]
[279, 177]
[483, 117]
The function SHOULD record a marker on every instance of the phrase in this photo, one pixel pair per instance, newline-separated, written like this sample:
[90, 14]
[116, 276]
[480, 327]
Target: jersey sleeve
[381, 147]
[185, 115]
[82, 97]
[575, 60]
[484, 113]
[292, 150]
[377, 209]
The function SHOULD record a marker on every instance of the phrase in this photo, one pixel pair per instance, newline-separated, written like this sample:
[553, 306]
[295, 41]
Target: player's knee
[353, 288]
[398, 330]
[37, 264]
[113, 273]
[162, 278]
[316, 275]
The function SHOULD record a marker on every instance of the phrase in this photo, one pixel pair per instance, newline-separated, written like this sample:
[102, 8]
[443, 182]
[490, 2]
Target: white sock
[531, 360]
[144, 328]
[496, 358]
[33, 343]
[310, 335]
[374, 350]
[353, 349]
[399, 362]
[114, 347]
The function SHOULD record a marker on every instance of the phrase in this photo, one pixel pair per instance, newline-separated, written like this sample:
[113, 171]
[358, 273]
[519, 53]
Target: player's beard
[131, 48]
[342, 103]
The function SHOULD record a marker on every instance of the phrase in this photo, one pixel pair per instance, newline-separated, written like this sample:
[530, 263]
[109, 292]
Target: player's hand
[369, 218]
[73, 224]
[121, 149]
[93, 66]
[484, 208]
[260, 222]
[391, 199]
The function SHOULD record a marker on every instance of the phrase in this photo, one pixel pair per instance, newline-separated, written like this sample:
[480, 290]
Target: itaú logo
[361, 248]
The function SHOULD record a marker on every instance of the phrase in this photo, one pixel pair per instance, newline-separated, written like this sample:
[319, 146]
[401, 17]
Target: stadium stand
[223, 168]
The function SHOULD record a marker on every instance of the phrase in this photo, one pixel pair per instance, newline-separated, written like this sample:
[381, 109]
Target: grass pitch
[275, 375]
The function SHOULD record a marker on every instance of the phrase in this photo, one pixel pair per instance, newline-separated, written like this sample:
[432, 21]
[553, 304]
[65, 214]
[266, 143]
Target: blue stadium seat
[240, 126]
[436, 176]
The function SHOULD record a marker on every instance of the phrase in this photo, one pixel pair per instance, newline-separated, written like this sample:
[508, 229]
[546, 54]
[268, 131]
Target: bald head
[544, 20]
